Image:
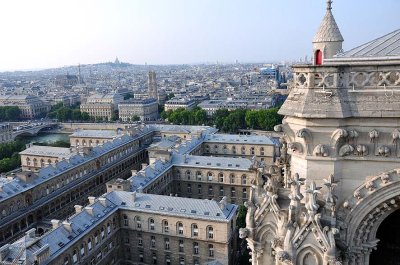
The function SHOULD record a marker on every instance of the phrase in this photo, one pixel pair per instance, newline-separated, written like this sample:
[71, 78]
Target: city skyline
[44, 34]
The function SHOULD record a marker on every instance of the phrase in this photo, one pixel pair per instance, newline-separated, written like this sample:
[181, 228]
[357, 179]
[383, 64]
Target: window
[153, 242]
[233, 192]
[210, 190]
[243, 150]
[252, 150]
[209, 176]
[138, 222]
[154, 258]
[198, 175]
[66, 261]
[82, 250]
[189, 188]
[102, 233]
[178, 174]
[188, 175]
[233, 149]
[181, 249]
[211, 250]
[140, 241]
[181, 261]
[168, 260]
[126, 222]
[108, 228]
[180, 228]
[232, 178]
[199, 189]
[221, 177]
[151, 224]
[262, 151]
[166, 243]
[165, 226]
[210, 232]
[221, 191]
[244, 194]
[195, 248]
[244, 179]
[74, 257]
[141, 257]
[89, 244]
[96, 238]
[195, 230]
[196, 261]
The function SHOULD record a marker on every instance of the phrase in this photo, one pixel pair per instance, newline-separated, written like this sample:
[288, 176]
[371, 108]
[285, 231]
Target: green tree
[85, 116]
[241, 216]
[252, 119]
[76, 115]
[135, 118]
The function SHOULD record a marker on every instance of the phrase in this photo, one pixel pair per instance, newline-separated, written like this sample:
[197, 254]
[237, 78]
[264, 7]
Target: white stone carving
[346, 150]
[321, 150]
[383, 150]
[362, 150]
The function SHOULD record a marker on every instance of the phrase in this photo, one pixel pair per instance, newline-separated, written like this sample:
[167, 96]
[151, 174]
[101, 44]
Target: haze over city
[43, 34]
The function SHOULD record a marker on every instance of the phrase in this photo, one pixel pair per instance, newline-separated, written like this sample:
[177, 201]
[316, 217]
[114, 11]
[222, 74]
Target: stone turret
[328, 40]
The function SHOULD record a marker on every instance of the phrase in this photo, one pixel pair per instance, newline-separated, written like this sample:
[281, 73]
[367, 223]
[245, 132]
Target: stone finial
[329, 5]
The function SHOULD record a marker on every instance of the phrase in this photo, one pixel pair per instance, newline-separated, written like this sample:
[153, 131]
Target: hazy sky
[52, 33]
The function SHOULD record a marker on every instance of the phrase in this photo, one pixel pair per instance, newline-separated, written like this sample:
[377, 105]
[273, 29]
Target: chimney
[144, 165]
[134, 196]
[31, 233]
[67, 225]
[133, 172]
[103, 201]
[56, 223]
[89, 210]
[78, 208]
[42, 254]
[91, 199]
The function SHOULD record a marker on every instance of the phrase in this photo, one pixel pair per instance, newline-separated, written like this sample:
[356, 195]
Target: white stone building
[144, 109]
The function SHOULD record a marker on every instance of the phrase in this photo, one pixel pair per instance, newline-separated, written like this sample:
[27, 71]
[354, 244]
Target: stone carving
[373, 135]
[304, 133]
[370, 185]
[295, 147]
[362, 150]
[330, 198]
[321, 150]
[278, 128]
[338, 134]
[385, 178]
[383, 150]
[283, 256]
[346, 150]
[353, 134]
[395, 136]
[243, 233]
[311, 204]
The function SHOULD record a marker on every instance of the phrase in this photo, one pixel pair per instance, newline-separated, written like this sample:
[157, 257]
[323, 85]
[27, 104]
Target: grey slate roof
[387, 45]
[238, 139]
[328, 30]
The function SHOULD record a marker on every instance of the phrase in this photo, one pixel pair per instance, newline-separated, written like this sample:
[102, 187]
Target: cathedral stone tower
[331, 197]
[152, 85]
[328, 40]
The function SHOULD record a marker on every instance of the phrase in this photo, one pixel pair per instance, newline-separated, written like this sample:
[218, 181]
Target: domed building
[334, 195]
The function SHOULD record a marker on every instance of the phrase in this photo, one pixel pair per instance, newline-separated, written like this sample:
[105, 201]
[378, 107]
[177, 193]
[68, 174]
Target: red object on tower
[318, 57]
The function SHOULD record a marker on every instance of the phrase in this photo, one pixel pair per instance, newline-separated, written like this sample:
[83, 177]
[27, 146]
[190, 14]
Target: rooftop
[212, 162]
[49, 151]
[238, 139]
[108, 134]
[328, 30]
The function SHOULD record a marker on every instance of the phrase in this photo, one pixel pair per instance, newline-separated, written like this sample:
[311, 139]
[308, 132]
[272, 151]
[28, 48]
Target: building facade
[179, 103]
[152, 85]
[6, 131]
[144, 109]
[92, 138]
[102, 106]
[333, 196]
[31, 106]
[134, 228]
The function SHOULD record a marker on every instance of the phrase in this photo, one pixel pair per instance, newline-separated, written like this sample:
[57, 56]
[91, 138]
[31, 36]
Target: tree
[252, 119]
[76, 115]
[85, 116]
[135, 118]
[128, 96]
[241, 216]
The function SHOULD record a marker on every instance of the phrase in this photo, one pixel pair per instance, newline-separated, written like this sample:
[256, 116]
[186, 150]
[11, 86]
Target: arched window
[195, 248]
[108, 228]
[74, 257]
[96, 238]
[209, 176]
[102, 233]
[178, 174]
[232, 178]
[138, 222]
[166, 244]
[165, 226]
[244, 179]
[221, 177]
[198, 175]
[89, 244]
[318, 57]
[195, 230]
[152, 225]
[188, 175]
[210, 232]
[82, 250]
[179, 228]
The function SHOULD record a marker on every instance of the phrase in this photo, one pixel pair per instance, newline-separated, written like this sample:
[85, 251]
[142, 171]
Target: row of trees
[10, 113]
[9, 158]
[63, 113]
[225, 120]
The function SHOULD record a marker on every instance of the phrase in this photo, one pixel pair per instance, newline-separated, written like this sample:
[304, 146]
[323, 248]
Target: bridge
[32, 129]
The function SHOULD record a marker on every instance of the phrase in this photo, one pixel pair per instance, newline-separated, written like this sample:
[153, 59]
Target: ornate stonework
[336, 179]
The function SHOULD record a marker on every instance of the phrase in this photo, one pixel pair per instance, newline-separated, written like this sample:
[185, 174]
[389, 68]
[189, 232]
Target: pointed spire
[328, 30]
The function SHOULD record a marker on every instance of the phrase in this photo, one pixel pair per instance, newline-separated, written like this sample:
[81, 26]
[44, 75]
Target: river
[46, 137]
